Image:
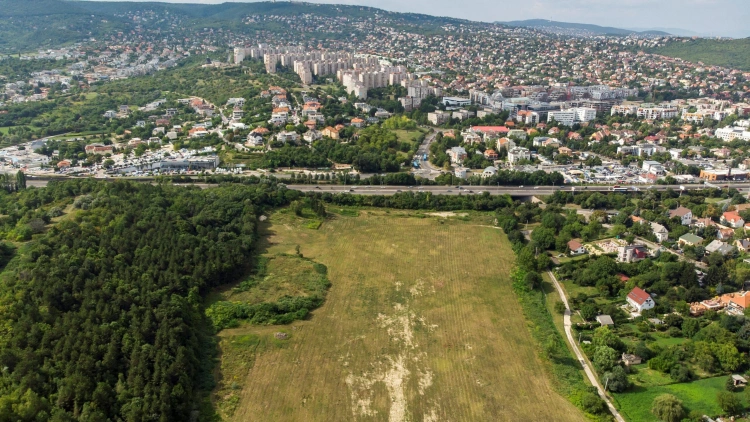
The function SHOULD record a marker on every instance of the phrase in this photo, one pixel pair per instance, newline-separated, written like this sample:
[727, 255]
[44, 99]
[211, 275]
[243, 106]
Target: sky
[729, 18]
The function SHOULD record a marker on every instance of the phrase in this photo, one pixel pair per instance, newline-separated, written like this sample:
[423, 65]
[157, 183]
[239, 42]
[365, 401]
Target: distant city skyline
[728, 18]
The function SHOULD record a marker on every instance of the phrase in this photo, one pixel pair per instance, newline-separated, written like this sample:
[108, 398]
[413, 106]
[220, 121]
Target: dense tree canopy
[102, 317]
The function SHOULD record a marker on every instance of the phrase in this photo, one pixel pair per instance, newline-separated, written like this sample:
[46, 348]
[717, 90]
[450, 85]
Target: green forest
[101, 313]
[727, 53]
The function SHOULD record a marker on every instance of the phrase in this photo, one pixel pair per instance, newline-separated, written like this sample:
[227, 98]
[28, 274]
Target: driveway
[579, 355]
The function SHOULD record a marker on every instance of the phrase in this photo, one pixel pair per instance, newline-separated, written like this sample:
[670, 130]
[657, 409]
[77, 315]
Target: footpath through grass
[420, 324]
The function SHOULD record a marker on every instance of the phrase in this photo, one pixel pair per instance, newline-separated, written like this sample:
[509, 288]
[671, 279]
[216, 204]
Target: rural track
[579, 355]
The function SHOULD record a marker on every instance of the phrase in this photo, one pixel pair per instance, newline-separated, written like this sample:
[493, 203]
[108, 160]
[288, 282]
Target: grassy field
[420, 324]
[700, 395]
[407, 135]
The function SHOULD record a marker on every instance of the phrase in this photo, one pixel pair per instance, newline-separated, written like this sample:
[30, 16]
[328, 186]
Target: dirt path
[569, 334]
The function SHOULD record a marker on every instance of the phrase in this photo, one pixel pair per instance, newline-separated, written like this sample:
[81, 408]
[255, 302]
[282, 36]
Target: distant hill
[727, 53]
[29, 25]
[582, 27]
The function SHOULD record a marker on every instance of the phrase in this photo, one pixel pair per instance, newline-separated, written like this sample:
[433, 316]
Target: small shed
[605, 320]
[739, 380]
[629, 359]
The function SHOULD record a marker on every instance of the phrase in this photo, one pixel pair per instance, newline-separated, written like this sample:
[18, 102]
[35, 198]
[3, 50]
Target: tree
[605, 358]
[20, 180]
[603, 336]
[588, 311]
[668, 408]
[616, 380]
[592, 403]
[729, 403]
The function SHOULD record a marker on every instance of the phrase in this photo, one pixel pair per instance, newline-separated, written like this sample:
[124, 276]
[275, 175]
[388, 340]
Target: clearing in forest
[419, 324]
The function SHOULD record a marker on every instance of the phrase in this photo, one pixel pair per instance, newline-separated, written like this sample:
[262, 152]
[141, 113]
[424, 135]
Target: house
[739, 380]
[632, 253]
[254, 140]
[490, 154]
[661, 232]
[576, 248]
[460, 172]
[99, 149]
[743, 245]
[489, 172]
[517, 154]
[285, 136]
[457, 154]
[689, 239]
[565, 151]
[312, 135]
[724, 234]
[63, 164]
[330, 132]
[640, 300]
[732, 219]
[720, 247]
[357, 122]
[703, 223]
[735, 303]
[197, 132]
[629, 359]
[605, 320]
[685, 215]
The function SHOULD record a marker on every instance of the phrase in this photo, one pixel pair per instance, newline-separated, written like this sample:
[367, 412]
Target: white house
[312, 135]
[685, 215]
[660, 232]
[517, 154]
[576, 248]
[640, 300]
[489, 172]
[460, 172]
[285, 136]
[457, 154]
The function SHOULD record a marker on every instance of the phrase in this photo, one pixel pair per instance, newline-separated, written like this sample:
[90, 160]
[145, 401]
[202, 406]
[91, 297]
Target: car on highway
[449, 190]
[520, 187]
[536, 187]
[399, 190]
[471, 191]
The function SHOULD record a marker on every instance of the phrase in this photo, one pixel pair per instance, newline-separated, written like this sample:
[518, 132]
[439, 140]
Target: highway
[451, 190]
[492, 190]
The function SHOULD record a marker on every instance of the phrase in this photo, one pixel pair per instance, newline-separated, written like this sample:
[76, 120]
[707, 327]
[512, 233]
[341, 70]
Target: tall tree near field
[668, 408]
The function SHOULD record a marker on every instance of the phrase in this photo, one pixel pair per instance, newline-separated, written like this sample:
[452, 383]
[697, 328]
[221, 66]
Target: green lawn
[4, 130]
[407, 135]
[700, 395]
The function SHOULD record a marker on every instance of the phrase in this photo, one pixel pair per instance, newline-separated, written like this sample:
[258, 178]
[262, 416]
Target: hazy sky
[709, 17]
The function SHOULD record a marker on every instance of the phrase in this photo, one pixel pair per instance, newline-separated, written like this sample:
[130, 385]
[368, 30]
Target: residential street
[579, 355]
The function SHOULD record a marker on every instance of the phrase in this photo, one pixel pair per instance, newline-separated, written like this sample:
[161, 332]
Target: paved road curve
[579, 354]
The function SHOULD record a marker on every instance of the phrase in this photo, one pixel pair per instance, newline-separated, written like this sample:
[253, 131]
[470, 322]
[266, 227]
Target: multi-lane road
[492, 190]
[453, 190]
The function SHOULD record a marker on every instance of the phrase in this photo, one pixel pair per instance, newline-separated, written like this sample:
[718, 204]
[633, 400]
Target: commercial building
[723, 174]
[456, 102]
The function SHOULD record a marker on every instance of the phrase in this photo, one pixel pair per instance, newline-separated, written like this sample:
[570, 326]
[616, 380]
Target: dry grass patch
[420, 324]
